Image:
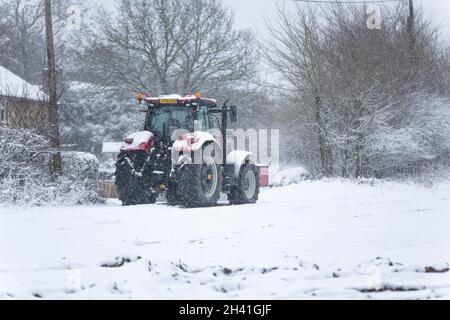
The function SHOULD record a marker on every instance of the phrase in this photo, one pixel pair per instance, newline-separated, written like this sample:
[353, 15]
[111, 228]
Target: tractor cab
[168, 115]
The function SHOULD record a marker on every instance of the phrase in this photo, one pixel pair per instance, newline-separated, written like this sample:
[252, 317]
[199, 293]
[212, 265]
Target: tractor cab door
[203, 121]
[214, 126]
[209, 122]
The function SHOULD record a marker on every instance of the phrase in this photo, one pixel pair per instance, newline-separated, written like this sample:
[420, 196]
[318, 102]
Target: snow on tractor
[182, 156]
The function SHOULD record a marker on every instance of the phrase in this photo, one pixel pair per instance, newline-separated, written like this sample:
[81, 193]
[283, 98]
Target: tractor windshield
[165, 120]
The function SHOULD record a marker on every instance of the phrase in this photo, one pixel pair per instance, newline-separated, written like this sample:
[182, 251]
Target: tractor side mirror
[233, 114]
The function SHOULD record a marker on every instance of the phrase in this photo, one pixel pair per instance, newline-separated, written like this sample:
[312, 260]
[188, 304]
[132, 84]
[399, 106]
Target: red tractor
[182, 154]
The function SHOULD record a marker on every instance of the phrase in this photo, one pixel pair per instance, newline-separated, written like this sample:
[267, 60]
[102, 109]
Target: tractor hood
[138, 141]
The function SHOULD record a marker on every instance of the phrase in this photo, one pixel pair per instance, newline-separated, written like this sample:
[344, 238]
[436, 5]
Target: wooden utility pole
[411, 23]
[53, 95]
[412, 56]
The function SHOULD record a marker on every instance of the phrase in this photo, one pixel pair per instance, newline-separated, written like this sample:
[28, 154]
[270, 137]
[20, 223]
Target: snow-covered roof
[111, 147]
[79, 86]
[12, 85]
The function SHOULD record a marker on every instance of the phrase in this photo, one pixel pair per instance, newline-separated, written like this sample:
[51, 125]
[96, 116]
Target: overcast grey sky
[250, 14]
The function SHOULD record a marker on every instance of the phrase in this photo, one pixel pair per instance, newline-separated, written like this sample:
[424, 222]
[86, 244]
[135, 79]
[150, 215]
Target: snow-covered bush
[80, 165]
[417, 143]
[25, 178]
[107, 169]
[23, 154]
[288, 176]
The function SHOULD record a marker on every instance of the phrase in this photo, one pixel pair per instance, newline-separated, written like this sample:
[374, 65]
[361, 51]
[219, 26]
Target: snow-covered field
[314, 240]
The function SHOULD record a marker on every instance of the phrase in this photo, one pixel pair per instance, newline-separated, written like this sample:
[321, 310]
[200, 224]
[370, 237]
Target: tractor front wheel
[133, 188]
[247, 188]
[135, 192]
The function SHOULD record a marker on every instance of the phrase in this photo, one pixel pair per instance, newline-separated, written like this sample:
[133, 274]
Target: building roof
[111, 147]
[12, 85]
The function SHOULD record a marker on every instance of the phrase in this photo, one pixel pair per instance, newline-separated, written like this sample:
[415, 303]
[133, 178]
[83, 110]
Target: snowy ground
[314, 240]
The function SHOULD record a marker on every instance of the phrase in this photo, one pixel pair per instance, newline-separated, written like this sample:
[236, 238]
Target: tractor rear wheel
[247, 189]
[199, 185]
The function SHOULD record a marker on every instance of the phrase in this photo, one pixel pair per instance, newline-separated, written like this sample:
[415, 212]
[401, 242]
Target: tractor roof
[175, 99]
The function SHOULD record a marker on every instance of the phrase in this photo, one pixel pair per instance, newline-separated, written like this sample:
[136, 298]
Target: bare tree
[20, 21]
[164, 46]
[22, 34]
[214, 52]
[296, 55]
